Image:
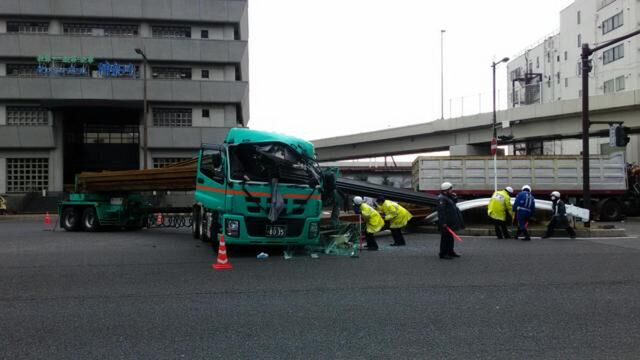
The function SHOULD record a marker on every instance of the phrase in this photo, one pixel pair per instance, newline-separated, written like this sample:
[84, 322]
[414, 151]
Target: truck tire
[70, 219]
[90, 220]
[204, 227]
[195, 223]
[610, 210]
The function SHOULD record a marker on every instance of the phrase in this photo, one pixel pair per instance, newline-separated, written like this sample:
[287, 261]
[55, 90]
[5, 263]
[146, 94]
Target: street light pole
[494, 140]
[145, 111]
[442, 74]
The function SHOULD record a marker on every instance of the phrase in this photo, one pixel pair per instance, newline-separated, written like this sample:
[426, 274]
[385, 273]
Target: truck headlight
[232, 227]
[313, 230]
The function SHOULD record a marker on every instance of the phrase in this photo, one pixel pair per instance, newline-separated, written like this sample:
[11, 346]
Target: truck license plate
[275, 231]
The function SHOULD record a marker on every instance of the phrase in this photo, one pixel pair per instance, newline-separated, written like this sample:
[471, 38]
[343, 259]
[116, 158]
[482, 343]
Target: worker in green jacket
[397, 216]
[373, 220]
[500, 211]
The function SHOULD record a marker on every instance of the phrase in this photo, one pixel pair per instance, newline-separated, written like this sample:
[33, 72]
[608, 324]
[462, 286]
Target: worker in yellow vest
[498, 210]
[397, 216]
[373, 220]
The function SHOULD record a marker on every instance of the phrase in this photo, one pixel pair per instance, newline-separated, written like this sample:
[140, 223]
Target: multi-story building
[72, 85]
[550, 70]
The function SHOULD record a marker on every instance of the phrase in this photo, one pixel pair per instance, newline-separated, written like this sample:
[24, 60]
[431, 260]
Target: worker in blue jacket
[524, 207]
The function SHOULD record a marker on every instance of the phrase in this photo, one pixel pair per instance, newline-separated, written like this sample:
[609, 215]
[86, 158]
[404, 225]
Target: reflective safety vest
[395, 214]
[500, 205]
[372, 218]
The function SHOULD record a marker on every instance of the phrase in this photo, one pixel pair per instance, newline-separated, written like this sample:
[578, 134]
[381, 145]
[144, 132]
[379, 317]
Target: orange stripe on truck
[256, 194]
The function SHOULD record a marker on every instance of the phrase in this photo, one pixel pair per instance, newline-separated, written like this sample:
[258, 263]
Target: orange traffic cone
[47, 219]
[159, 219]
[223, 262]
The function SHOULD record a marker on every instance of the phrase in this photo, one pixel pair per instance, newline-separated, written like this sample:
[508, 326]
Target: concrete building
[550, 70]
[72, 88]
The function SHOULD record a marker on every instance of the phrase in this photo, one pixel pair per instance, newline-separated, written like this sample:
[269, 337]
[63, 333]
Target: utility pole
[494, 140]
[586, 69]
[442, 74]
[145, 111]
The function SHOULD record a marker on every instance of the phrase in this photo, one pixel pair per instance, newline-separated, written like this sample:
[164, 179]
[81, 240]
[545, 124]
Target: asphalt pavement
[152, 294]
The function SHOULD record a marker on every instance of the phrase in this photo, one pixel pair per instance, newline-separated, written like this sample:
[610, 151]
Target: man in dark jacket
[559, 218]
[449, 217]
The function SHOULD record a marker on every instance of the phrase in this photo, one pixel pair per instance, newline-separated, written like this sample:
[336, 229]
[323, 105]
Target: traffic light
[621, 136]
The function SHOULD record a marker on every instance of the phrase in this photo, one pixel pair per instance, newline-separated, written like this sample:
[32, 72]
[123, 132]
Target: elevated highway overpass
[472, 134]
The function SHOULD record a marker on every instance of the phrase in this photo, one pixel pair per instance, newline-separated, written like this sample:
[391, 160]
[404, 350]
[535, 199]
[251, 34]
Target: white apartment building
[550, 70]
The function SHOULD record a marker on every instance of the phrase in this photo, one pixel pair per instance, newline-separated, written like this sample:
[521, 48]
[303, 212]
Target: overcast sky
[322, 68]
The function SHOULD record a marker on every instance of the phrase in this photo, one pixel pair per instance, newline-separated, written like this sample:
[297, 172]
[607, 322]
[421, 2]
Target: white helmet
[527, 188]
[446, 186]
[555, 194]
[509, 189]
[357, 200]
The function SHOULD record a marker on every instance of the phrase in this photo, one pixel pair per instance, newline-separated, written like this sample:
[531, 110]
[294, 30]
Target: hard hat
[446, 186]
[357, 200]
[527, 188]
[509, 189]
[555, 194]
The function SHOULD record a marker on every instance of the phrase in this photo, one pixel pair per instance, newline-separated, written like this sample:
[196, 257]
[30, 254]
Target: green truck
[256, 188]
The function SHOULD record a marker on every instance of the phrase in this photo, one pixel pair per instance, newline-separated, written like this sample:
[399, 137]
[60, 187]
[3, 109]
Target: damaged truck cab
[258, 188]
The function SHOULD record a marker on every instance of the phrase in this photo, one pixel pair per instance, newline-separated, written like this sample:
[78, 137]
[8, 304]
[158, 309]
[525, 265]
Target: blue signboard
[107, 69]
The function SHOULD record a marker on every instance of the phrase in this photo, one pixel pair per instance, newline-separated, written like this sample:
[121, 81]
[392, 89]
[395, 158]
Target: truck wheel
[205, 225]
[195, 222]
[90, 220]
[70, 219]
[610, 210]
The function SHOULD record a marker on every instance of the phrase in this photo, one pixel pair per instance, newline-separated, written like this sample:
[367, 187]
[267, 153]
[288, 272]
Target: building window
[537, 62]
[612, 23]
[549, 56]
[110, 134]
[205, 74]
[164, 162]
[566, 82]
[613, 54]
[23, 70]
[565, 55]
[169, 31]
[608, 86]
[205, 113]
[558, 58]
[27, 116]
[100, 29]
[579, 40]
[29, 174]
[620, 83]
[77, 29]
[578, 17]
[172, 117]
[28, 27]
[165, 72]
[120, 30]
[580, 68]
[204, 34]
[558, 77]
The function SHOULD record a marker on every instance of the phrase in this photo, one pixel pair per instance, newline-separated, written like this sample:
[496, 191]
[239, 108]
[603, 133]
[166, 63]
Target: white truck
[613, 192]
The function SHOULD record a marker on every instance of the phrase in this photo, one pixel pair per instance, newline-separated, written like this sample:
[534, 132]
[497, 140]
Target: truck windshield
[266, 161]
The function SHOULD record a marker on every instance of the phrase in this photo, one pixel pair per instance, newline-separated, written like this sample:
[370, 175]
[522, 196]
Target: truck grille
[256, 226]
